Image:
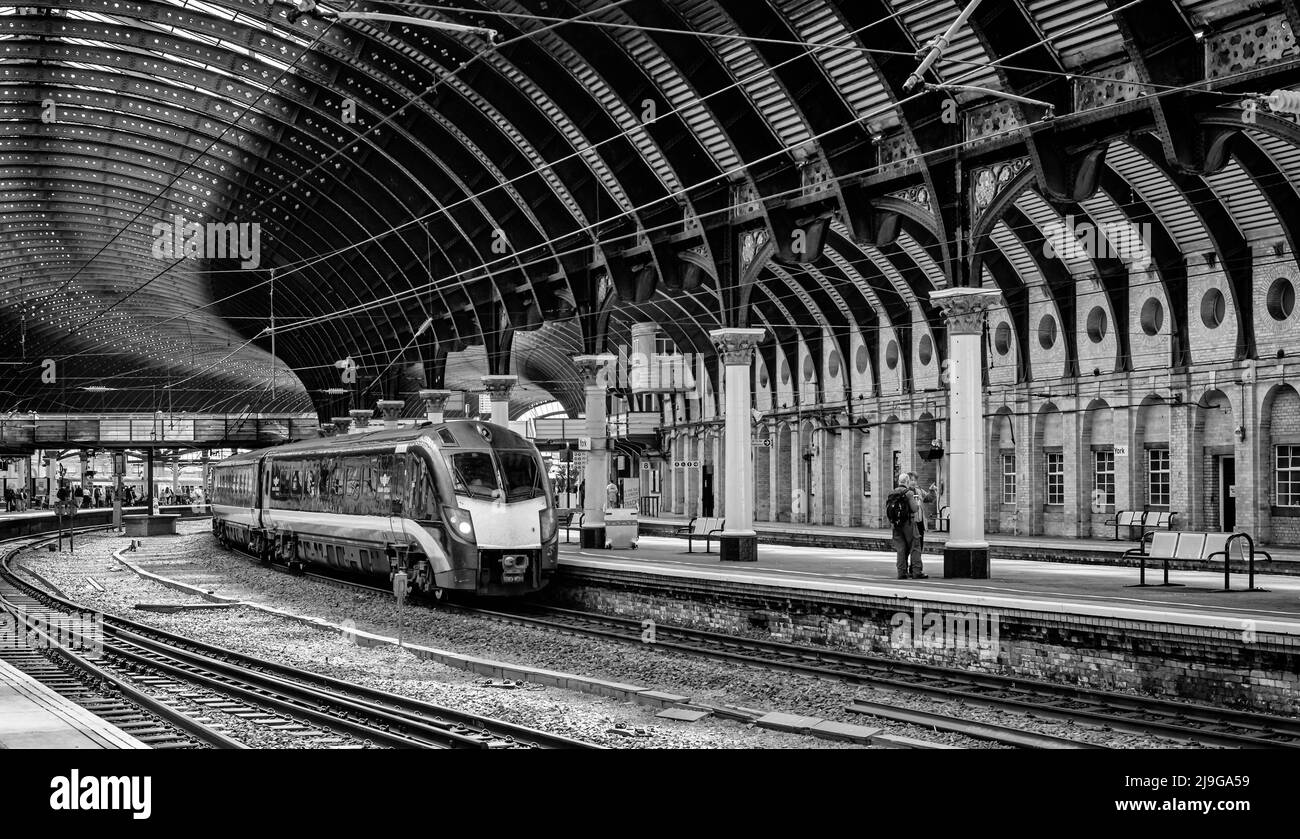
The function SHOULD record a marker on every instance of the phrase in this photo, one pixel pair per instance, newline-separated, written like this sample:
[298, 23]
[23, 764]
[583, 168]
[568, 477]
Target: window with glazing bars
[1158, 477]
[1055, 478]
[1103, 474]
[1286, 476]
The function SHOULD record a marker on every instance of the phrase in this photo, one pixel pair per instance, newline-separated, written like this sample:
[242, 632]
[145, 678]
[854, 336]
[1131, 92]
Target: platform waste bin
[621, 526]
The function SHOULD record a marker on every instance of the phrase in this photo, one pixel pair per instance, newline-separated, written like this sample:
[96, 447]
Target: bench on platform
[1191, 545]
[941, 520]
[568, 520]
[701, 527]
[1147, 520]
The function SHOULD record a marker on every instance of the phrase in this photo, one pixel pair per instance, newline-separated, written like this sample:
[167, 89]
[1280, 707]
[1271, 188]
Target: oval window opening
[1213, 308]
[1002, 338]
[1281, 299]
[1047, 332]
[1153, 316]
[1097, 324]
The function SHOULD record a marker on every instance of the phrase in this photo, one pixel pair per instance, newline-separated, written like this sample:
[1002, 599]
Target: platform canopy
[532, 191]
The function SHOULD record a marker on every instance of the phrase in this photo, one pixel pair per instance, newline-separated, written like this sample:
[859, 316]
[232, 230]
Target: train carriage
[460, 506]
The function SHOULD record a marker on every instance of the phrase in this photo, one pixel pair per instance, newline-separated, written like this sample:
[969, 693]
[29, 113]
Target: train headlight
[546, 518]
[460, 521]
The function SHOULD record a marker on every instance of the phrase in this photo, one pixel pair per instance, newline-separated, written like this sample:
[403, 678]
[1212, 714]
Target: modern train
[461, 507]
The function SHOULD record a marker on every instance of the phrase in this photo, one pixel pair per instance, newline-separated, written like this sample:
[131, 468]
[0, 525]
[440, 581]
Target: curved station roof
[234, 205]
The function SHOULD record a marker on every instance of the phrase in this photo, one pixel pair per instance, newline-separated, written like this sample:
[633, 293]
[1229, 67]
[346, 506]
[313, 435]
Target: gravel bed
[195, 559]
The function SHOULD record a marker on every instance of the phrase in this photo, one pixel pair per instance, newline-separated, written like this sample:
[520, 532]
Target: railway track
[204, 684]
[1181, 721]
[1085, 707]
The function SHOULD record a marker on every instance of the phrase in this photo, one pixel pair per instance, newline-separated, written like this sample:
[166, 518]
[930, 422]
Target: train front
[504, 501]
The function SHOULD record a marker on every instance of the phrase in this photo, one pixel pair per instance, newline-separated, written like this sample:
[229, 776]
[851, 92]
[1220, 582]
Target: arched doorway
[806, 490]
[1097, 457]
[1001, 508]
[892, 461]
[762, 453]
[1213, 470]
[1152, 484]
[1279, 472]
[1047, 474]
[785, 444]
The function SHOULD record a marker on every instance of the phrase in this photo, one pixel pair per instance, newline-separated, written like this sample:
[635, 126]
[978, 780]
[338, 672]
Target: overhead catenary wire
[436, 84]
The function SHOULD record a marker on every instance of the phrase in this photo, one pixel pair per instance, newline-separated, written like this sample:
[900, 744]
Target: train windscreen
[515, 476]
[522, 475]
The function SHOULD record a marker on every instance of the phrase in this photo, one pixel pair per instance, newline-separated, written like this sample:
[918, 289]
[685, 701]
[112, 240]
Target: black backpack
[896, 507]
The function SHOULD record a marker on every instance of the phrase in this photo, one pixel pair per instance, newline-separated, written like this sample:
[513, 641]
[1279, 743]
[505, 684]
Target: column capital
[360, 417]
[964, 307]
[595, 369]
[435, 398]
[499, 387]
[389, 409]
[736, 346]
[341, 424]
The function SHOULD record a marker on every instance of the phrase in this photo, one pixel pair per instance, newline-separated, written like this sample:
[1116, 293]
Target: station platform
[1077, 622]
[1104, 551]
[34, 717]
[1064, 587]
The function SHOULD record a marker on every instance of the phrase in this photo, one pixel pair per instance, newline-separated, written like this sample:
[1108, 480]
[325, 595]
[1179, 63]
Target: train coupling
[514, 568]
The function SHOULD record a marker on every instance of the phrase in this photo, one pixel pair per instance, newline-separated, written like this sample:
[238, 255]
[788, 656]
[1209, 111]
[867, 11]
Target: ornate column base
[738, 547]
[966, 563]
[593, 536]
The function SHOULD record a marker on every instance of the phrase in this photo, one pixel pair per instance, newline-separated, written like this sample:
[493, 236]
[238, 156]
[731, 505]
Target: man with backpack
[903, 509]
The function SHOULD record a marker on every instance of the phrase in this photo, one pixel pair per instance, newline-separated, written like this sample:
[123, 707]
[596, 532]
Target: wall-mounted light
[1241, 432]
[1211, 258]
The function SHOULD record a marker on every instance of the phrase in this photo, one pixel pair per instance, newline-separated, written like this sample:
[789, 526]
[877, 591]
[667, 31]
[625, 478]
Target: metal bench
[568, 520]
[701, 528]
[1144, 519]
[1189, 545]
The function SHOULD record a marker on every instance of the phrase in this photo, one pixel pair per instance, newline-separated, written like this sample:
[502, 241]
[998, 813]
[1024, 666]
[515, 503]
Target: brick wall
[1206, 665]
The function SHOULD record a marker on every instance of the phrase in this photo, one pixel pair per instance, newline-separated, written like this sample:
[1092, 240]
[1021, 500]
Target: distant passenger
[925, 497]
[902, 508]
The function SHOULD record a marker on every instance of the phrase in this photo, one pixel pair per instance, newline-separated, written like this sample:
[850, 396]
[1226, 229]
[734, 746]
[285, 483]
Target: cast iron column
[596, 373]
[738, 541]
[499, 388]
[966, 553]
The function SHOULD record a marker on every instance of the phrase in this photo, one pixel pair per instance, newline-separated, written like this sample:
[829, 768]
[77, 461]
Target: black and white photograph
[914, 380]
